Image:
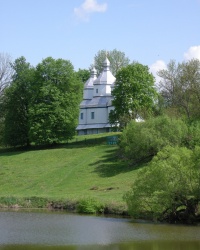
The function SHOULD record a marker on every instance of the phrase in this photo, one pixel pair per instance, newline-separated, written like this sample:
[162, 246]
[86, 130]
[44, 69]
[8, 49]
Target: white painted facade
[97, 102]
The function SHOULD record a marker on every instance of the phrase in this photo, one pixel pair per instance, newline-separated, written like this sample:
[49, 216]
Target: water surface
[35, 231]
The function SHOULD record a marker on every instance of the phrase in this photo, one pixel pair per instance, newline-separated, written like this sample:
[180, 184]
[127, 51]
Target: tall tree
[55, 103]
[117, 60]
[180, 87]
[134, 94]
[6, 71]
[16, 104]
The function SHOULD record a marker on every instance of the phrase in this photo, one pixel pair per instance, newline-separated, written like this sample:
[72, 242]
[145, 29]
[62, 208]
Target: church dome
[106, 77]
[93, 77]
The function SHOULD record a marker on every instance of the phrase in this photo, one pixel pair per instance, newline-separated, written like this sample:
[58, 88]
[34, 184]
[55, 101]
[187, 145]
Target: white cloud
[88, 7]
[155, 67]
[193, 52]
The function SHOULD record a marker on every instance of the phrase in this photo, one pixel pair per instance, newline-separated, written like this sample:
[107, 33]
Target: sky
[152, 32]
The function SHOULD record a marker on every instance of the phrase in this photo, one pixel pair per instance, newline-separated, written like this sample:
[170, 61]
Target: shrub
[89, 206]
[168, 188]
[141, 140]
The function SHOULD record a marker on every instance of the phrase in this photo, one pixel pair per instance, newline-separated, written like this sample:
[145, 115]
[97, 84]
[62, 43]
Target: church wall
[102, 90]
[88, 93]
[96, 115]
[83, 116]
[93, 131]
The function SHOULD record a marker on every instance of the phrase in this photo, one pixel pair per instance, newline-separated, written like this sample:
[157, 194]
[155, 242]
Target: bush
[141, 140]
[168, 189]
[89, 206]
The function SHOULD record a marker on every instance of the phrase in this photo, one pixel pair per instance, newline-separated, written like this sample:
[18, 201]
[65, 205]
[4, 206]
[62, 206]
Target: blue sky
[149, 31]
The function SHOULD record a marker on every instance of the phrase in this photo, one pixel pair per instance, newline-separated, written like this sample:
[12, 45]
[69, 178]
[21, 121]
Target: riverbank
[84, 206]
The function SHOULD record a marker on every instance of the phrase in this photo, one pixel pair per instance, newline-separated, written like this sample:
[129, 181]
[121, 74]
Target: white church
[97, 102]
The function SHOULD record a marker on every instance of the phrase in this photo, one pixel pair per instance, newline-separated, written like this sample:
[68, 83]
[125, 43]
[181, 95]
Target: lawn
[84, 167]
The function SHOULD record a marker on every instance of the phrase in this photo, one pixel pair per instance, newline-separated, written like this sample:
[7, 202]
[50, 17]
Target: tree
[83, 75]
[180, 87]
[168, 189]
[15, 104]
[140, 141]
[117, 60]
[6, 71]
[55, 104]
[134, 93]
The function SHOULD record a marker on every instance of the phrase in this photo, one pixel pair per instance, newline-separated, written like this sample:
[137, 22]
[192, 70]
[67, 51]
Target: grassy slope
[73, 171]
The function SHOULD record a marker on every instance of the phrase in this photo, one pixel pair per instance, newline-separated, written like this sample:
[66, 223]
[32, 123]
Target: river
[56, 230]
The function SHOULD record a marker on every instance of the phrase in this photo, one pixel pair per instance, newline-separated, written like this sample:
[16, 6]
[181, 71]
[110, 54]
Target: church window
[96, 90]
[81, 116]
[92, 115]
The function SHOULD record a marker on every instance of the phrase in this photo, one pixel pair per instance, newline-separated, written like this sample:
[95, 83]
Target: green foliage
[15, 104]
[167, 185]
[117, 60]
[55, 104]
[8, 201]
[83, 75]
[41, 105]
[141, 140]
[134, 93]
[89, 206]
[49, 121]
[193, 138]
[180, 88]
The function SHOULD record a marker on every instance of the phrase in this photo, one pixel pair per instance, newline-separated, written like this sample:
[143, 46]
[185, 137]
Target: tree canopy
[16, 102]
[55, 105]
[140, 141]
[41, 105]
[83, 74]
[168, 188]
[180, 88]
[117, 60]
[134, 94]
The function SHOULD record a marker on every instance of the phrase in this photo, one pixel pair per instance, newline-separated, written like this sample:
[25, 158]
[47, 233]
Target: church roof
[93, 77]
[106, 77]
[100, 101]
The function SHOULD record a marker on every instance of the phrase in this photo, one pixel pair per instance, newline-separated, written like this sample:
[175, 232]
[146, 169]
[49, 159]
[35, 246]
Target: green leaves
[141, 140]
[55, 106]
[169, 182]
[134, 93]
[117, 60]
[180, 89]
[16, 104]
[41, 105]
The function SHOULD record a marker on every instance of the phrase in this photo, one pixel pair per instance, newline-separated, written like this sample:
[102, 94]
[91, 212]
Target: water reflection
[31, 231]
[127, 246]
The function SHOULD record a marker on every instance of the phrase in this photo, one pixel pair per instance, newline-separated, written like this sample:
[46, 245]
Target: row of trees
[41, 104]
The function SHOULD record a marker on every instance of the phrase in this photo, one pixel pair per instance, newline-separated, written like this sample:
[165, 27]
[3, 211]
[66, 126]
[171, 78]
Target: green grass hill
[86, 167]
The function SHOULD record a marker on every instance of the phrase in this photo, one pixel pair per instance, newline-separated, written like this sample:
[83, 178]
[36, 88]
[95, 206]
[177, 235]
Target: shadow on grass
[80, 142]
[110, 165]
